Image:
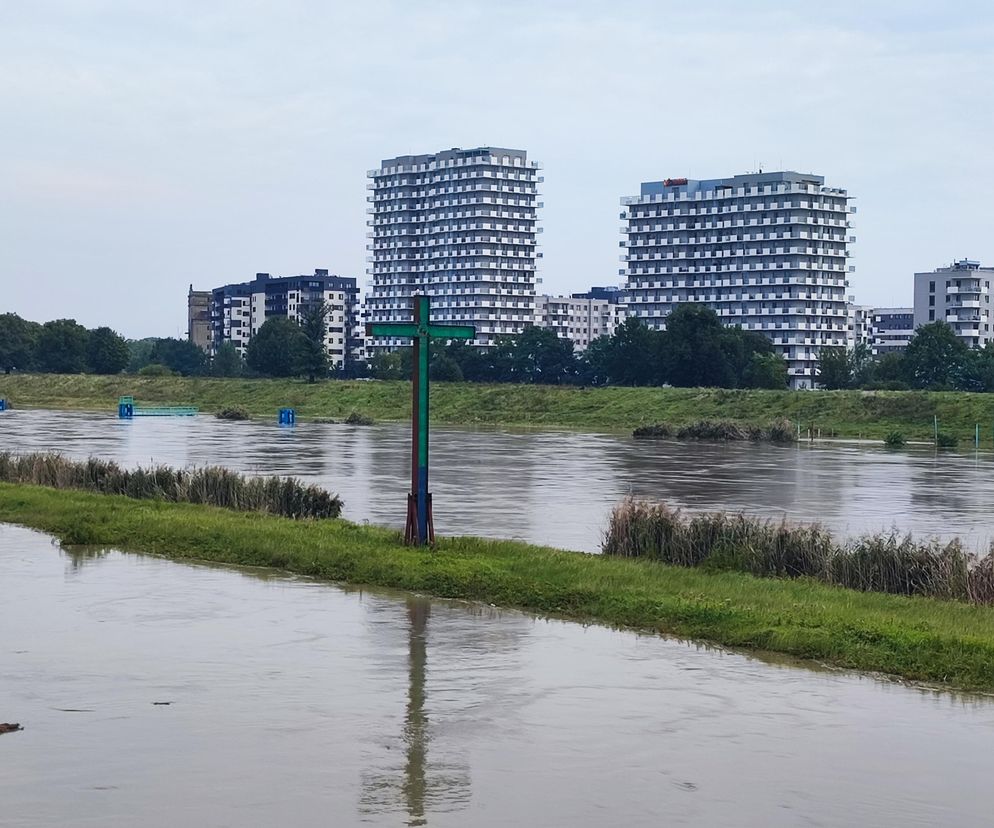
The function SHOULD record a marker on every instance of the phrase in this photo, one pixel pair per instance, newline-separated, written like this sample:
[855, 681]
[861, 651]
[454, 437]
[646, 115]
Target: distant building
[459, 226]
[857, 324]
[766, 251]
[578, 318]
[198, 318]
[891, 330]
[959, 295]
[237, 311]
[612, 293]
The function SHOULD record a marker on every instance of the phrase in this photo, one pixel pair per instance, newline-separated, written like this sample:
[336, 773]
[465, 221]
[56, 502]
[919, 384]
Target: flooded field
[160, 694]
[554, 488]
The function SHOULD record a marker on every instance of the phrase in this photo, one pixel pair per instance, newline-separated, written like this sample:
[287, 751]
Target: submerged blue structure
[287, 417]
[126, 410]
[3, 404]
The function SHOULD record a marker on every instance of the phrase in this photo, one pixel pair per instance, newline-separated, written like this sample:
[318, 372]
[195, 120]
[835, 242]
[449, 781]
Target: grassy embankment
[872, 414]
[942, 642]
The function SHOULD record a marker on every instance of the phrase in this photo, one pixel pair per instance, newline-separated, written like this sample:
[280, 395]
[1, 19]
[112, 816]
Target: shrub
[211, 485]
[156, 370]
[895, 440]
[355, 418]
[946, 441]
[656, 430]
[233, 413]
[883, 562]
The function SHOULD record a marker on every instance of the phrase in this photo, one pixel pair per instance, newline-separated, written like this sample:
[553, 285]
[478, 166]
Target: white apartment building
[579, 319]
[766, 251]
[891, 330]
[237, 311]
[959, 295]
[857, 324]
[459, 226]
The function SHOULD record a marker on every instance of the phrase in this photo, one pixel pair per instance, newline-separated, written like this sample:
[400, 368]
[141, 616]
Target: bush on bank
[211, 485]
[873, 563]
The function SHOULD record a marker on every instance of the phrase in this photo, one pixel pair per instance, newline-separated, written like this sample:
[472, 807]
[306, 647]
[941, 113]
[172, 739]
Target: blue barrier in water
[127, 410]
[3, 404]
[287, 417]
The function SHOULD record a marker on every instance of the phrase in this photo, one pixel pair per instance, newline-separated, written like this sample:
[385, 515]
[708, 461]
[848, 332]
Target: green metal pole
[423, 339]
[935, 427]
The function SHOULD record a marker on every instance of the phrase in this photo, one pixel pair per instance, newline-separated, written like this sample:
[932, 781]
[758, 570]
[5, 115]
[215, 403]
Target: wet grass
[211, 485]
[882, 562]
[867, 414]
[942, 642]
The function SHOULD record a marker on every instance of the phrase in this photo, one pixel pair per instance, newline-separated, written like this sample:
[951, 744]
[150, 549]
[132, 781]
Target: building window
[931, 316]
[931, 287]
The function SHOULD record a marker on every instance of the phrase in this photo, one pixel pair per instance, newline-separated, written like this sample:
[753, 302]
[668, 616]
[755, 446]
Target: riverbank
[940, 642]
[868, 414]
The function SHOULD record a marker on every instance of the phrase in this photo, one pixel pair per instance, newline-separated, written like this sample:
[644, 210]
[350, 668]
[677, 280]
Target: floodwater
[155, 693]
[553, 488]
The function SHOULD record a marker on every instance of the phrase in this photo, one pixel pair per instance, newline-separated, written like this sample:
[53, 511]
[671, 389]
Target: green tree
[834, 370]
[18, 338]
[312, 356]
[633, 357]
[474, 362]
[765, 371]
[935, 356]
[593, 365]
[140, 353]
[61, 347]
[180, 356]
[696, 348]
[227, 361]
[540, 356]
[106, 352]
[444, 369]
[275, 348]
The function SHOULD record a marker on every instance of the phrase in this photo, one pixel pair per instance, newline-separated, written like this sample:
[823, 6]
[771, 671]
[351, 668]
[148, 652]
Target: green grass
[928, 640]
[869, 414]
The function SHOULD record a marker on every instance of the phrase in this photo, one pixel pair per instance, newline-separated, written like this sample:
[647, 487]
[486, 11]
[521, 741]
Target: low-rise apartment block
[891, 330]
[237, 311]
[959, 295]
[579, 318]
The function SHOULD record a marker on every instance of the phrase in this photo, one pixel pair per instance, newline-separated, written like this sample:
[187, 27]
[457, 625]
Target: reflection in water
[418, 788]
[552, 487]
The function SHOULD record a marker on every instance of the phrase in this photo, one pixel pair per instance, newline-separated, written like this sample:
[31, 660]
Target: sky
[148, 146]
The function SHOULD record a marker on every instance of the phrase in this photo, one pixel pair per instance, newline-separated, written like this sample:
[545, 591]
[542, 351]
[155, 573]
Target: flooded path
[553, 488]
[161, 694]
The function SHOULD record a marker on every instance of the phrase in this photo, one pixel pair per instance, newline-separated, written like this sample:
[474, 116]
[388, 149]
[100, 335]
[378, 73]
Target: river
[553, 488]
[155, 693]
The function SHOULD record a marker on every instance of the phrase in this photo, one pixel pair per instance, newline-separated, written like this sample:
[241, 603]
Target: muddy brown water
[553, 488]
[155, 693]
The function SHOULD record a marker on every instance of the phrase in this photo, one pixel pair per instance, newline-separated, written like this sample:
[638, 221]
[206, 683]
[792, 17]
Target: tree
[934, 356]
[312, 356]
[140, 353]
[696, 346]
[106, 352]
[61, 347]
[17, 342]
[444, 369]
[765, 371]
[633, 357]
[834, 369]
[540, 356]
[227, 361]
[275, 348]
[593, 366]
[181, 356]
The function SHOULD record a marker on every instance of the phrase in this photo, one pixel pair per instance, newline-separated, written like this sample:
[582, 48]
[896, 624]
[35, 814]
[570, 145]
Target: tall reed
[884, 562]
[210, 485]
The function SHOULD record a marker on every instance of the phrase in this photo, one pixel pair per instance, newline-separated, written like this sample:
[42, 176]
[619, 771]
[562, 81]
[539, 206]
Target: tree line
[935, 359]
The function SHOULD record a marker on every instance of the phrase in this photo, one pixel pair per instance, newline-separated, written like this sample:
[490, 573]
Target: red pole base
[411, 527]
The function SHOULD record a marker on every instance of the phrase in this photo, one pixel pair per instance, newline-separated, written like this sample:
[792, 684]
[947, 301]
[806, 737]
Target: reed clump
[780, 430]
[233, 413]
[355, 418]
[210, 485]
[886, 562]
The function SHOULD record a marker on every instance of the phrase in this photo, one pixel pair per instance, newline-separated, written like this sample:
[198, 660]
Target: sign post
[419, 529]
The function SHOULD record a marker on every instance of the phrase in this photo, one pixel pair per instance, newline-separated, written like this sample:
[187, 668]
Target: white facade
[766, 251]
[239, 310]
[577, 319]
[857, 325]
[959, 295]
[459, 226]
[891, 330]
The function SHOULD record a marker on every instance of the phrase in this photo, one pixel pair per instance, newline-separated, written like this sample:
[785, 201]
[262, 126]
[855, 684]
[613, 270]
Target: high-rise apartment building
[459, 226]
[237, 311]
[959, 295]
[891, 330]
[766, 251]
[578, 318]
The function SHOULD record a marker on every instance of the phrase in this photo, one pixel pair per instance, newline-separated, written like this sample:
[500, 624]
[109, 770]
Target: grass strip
[940, 642]
[869, 414]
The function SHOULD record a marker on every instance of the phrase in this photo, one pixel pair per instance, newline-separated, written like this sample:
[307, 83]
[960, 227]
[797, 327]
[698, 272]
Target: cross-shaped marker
[420, 529]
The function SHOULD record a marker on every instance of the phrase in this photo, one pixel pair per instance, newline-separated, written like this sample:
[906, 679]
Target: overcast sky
[147, 146]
